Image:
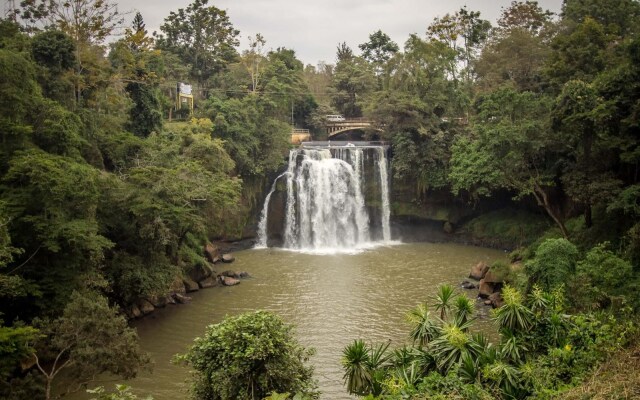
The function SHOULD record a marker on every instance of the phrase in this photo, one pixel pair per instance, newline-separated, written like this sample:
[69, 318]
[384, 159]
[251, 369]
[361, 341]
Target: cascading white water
[384, 193]
[264, 215]
[325, 207]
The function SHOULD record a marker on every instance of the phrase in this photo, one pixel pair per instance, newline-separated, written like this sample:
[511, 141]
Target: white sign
[183, 88]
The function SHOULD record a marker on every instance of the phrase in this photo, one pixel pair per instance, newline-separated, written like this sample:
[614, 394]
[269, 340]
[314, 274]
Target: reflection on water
[331, 299]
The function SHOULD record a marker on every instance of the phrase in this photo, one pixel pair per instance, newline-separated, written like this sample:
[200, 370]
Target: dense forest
[109, 189]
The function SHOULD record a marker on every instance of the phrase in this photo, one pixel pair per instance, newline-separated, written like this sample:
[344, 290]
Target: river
[331, 299]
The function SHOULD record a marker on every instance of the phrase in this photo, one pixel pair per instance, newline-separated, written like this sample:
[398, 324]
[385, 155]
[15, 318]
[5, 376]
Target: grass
[617, 378]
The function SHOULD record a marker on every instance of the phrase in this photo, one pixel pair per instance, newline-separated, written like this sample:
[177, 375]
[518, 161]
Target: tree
[513, 148]
[85, 21]
[247, 357]
[253, 58]
[378, 50]
[202, 36]
[464, 33]
[90, 338]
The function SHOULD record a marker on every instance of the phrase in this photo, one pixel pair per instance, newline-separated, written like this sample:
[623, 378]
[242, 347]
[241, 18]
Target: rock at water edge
[228, 258]
[478, 271]
[190, 285]
[486, 289]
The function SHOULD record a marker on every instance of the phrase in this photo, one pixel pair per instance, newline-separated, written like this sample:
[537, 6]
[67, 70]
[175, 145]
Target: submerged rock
[228, 258]
[228, 281]
[468, 285]
[207, 283]
[235, 274]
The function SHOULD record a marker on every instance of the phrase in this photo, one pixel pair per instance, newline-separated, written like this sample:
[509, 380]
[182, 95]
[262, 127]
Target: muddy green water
[331, 299]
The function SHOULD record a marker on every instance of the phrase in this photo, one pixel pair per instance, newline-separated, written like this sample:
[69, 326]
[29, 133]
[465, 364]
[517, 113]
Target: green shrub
[506, 228]
[247, 357]
[553, 263]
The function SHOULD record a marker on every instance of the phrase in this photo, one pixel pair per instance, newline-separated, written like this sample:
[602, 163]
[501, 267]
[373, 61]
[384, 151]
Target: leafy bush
[248, 356]
[554, 261]
[506, 228]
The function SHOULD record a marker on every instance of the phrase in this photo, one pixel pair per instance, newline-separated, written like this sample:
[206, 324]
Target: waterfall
[384, 193]
[264, 215]
[326, 201]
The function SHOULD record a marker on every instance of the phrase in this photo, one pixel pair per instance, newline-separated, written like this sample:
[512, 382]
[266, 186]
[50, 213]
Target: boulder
[487, 302]
[190, 285]
[181, 299]
[468, 285]
[211, 252]
[492, 277]
[178, 286]
[485, 289]
[207, 283]
[496, 300]
[235, 274]
[228, 281]
[158, 301]
[478, 271]
[169, 299]
[145, 307]
[200, 272]
[228, 258]
[134, 312]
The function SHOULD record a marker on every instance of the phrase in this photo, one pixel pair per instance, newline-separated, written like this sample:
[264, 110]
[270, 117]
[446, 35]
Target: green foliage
[506, 228]
[202, 36]
[247, 357]
[554, 262]
[88, 339]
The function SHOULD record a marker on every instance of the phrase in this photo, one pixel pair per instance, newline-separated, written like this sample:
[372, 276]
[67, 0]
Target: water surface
[331, 299]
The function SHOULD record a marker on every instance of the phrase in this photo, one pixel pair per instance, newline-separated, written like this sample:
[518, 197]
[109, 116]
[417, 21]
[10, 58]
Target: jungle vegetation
[108, 190]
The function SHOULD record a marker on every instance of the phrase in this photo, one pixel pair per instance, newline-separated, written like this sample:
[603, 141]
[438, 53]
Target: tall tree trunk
[543, 200]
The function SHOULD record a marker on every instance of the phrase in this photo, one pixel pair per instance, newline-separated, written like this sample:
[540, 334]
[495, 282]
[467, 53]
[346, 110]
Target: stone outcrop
[145, 307]
[200, 272]
[211, 253]
[478, 271]
[486, 289]
[190, 285]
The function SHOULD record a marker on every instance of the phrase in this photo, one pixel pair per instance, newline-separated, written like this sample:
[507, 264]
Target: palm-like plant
[377, 365]
[513, 315]
[513, 347]
[463, 309]
[504, 376]
[423, 328]
[443, 300]
[355, 360]
[449, 348]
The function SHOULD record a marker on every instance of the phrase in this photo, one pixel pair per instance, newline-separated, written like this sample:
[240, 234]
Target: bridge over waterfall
[335, 128]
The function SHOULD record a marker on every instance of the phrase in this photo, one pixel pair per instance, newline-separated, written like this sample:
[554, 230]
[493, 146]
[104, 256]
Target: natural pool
[331, 299]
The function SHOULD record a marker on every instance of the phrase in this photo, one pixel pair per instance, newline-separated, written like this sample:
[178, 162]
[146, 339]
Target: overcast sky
[314, 28]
